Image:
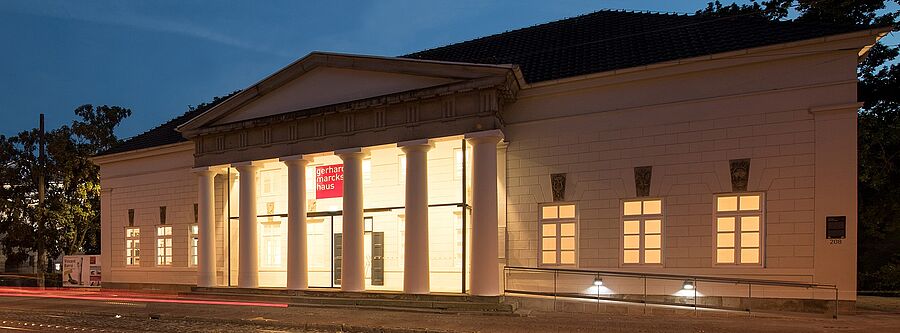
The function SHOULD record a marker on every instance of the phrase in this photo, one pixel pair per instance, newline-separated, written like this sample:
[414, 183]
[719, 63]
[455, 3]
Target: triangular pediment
[321, 79]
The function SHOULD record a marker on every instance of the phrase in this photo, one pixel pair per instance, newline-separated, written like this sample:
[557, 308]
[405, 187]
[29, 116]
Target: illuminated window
[271, 244]
[401, 174]
[458, 162]
[367, 171]
[267, 178]
[557, 230]
[195, 242]
[642, 224]
[132, 246]
[738, 229]
[164, 246]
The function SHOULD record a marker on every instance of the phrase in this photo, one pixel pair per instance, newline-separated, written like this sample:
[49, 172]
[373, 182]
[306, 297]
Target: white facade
[478, 146]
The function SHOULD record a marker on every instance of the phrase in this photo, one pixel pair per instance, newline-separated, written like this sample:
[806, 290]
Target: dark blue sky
[158, 57]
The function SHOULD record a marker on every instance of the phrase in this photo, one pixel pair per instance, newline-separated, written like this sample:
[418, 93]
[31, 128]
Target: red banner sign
[330, 181]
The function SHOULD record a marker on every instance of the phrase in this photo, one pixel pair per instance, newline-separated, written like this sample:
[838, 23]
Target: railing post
[645, 293]
[749, 299]
[695, 297]
[598, 292]
[555, 277]
[836, 303]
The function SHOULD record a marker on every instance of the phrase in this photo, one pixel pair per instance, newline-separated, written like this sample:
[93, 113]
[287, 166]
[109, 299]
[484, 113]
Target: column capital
[415, 145]
[348, 153]
[206, 170]
[489, 136]
[247, 165]
[295, 160]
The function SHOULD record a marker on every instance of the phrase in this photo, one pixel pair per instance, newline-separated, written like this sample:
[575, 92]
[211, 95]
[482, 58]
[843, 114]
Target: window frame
[193, 245]
[557, 222]
[133, 252]
[275, 260]
[642, 218]
[169, 246]
[716, 214]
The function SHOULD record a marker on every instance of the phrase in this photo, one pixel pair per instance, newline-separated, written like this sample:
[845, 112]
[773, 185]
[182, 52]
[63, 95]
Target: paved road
[74, 314]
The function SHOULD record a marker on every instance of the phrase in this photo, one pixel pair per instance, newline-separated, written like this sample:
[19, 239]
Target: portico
[482, 270]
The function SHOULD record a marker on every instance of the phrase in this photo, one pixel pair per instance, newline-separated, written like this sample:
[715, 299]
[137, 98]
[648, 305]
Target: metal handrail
[662, 276]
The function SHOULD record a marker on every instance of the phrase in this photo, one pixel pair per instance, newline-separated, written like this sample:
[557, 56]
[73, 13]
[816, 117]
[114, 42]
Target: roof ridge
[540, 25]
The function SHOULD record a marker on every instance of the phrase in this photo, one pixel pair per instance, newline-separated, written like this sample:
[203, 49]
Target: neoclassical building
[612, 141]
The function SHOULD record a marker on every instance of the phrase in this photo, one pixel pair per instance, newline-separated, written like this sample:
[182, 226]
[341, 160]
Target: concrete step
[379, 300]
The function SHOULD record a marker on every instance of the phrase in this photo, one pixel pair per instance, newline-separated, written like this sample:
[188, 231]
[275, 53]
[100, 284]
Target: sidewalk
[217, 317]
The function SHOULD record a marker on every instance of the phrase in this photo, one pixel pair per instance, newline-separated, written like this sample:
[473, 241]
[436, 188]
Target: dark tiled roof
[608, 40]
[591, 43]
[163, 134]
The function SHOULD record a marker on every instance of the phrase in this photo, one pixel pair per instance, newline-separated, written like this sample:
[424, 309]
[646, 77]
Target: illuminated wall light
[688, 285]
[598, 282]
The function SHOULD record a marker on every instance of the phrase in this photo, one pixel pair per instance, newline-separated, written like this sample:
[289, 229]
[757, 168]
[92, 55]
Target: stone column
[485, 274]
[248, 253]
[353, 276]
[206, 225]
[416, 256]
[297, 260]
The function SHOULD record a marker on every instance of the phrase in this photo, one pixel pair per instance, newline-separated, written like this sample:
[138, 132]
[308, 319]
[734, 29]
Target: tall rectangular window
[132, 246]
[195, 243]
[271, 244]
[557, 230]
[367, 170]
[642, 231]
[401, 172]
[164, 246]
[739, 228]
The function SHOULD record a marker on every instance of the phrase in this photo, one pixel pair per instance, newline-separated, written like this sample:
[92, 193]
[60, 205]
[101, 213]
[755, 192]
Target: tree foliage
[71, 210]
[878, 127]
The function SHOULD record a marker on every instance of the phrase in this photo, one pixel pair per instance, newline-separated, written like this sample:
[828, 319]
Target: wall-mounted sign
[329, 181]
[835, 227]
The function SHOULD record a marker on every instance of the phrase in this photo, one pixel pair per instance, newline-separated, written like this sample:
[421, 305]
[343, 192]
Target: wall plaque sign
[330, 181]
[835, 227]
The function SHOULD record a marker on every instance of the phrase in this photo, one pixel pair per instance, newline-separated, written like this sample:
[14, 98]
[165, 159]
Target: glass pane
[726, 204]
[549, 212]
[160, 231]
[567, 257]
[632, 256]
[632, 208]
[749, 239]
[632, 227]
[653, 207]
[567, 229]
[567, 212]
[725, 224]
[549, 243]
[725, 240]
[750, 223]
[652, 256]
[750, 202]
[632, 242]
[549, 229]
[567, 243]
[195, 229]
[548, 257]
[725, 256]
[652, 227]
[652, 242]
[750, 256]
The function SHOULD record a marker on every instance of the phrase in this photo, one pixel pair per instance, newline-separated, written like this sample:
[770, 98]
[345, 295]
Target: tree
[878, 128]
[71, 211]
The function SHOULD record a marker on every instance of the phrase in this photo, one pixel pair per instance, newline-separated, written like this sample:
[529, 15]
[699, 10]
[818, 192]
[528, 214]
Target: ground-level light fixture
[688, 285]
[598, 282]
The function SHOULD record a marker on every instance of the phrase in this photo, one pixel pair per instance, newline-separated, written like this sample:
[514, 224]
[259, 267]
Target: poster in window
[329, 181]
